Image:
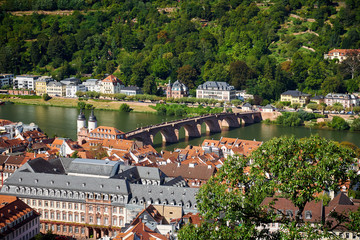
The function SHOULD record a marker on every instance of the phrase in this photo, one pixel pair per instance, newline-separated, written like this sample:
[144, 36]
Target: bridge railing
[181, 120]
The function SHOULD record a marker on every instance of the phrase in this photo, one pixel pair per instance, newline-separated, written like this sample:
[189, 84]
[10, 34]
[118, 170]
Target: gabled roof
[107, 130]
[112, 79]
[139, 231]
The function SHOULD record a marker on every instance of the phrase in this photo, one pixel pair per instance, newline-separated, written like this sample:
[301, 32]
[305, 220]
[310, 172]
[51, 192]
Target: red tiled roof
[112, 79]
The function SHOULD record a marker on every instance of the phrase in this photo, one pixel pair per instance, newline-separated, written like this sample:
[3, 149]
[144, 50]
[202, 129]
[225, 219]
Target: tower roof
[92, 117]
[81, 115]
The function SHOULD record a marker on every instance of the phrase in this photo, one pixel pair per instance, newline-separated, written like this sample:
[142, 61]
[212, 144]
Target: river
[62, 122]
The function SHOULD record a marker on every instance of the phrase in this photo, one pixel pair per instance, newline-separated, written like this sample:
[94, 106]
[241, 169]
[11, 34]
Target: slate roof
[222, 86]
[177, 85]
[131, 88]
[67, 182]
[93, 166]
[247, 105]
[295, 93]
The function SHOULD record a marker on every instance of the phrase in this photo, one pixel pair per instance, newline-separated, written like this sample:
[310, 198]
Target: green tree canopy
[297, 169]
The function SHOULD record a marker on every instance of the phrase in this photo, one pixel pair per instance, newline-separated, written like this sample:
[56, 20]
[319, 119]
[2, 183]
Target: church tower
[81, 121]
[92, 121]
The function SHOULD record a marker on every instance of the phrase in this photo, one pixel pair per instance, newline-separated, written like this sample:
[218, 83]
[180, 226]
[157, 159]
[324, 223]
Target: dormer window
[308, 215]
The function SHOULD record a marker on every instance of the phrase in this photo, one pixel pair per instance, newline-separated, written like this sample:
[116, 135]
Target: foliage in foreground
[183, 110]
[298, 169]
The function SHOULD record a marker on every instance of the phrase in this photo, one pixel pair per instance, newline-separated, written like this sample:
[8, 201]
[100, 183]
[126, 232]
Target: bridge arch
[212, 126]
[191, 130]
[169, 135]
[257, 118]
[246, 119]
[230, 122]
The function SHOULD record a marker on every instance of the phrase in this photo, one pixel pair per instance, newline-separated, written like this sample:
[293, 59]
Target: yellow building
[295, 96]
[41, 84]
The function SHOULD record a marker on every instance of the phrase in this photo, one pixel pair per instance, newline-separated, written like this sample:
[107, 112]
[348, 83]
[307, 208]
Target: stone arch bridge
[192, 126]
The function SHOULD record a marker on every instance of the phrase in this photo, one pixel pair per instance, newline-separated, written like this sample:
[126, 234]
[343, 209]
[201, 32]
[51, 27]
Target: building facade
[41, 84]
[17, 219]
[6, 79]
[111, 85]
[92, 85]
[220, 91]
[131, 91]
[295, 96]
[72, 89]
[93, 198]
[176, 90]
[341, 54]
[56, 89]
[347, 100]
[25, 81]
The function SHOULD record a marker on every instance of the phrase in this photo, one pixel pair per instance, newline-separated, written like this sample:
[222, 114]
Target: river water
[62, 122]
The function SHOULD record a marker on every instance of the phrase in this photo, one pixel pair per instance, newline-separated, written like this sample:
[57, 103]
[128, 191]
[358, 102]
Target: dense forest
[266, 47]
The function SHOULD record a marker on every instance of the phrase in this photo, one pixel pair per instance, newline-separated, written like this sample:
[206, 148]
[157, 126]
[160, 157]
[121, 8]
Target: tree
[352, 63]
[149, 85]
[125, 108]
[240, 73]
[339, 123]
[297, 169]
[46, 97]
[312, 106]
[187, 75]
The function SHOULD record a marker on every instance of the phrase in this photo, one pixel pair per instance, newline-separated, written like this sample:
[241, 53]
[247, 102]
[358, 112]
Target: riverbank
[140, 107]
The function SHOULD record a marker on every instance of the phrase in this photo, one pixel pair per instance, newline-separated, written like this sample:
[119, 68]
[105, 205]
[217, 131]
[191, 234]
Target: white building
[56, 89]
[347, 100]
[221, 91]
[242, 95]
[341, 54]
[130, 91]
[92, 85]
[111, 85]
[72, 88]
[25, 81]
[6, 79]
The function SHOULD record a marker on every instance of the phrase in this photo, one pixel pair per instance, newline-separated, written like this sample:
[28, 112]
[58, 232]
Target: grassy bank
[73, 103]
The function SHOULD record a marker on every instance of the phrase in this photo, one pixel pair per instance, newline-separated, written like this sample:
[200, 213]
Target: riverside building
[220, 91]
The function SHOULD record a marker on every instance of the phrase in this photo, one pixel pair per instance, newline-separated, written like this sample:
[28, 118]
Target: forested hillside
[264, 47]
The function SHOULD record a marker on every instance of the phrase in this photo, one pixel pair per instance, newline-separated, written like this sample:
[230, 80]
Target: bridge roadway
[192, 126]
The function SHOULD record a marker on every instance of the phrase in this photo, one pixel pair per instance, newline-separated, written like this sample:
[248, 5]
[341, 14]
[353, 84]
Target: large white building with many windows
[86, 198]
[220, 91]
[25, 81]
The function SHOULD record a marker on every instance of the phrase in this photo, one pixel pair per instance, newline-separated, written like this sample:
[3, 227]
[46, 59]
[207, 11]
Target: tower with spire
[81, 121]
[92, 124]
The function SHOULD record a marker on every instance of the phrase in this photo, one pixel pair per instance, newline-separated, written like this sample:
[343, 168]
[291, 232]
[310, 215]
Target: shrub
[338, 123]
[46, 97]
[125, 108]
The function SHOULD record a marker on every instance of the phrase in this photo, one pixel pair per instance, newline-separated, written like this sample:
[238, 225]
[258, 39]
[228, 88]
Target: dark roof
[318, 97]
[295, 93]
[216, 86]
[134, 88]
[39, 165]
[247, 105]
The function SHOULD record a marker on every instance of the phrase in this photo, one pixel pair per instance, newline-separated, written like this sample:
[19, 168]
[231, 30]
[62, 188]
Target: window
[46, 215]
[76, 230]
[40, 203]
[289, 213]
[76, 206]
[90, 208]
[46, 204]
[58, 228]
[91, 220]
[121, 211]
[98, 209]
[76, 218]
[83, 207]
[52, 215]
[82, 230]
[34, 202]
[120, 222]
[114, 209]
[308, 215]
[114, 221]
[51, 204]
[98, 221]
[69, 206]
[64, 229]
[64, 216]
[57, 216]
[106, 209]
[70, 229]
[57, 205]
[70, 217]
[106, 221]
[82, 218]
[64, 205]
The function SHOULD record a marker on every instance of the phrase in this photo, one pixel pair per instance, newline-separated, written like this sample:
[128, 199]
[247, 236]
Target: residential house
[72, 89]
[77, 196]
[139, 230]
[131, 90]
[12, 145]
[268, 108]
[41, 84]
[318, 99]
[295, 96]
[247, 107]
[56, 89]
[25, 81]
[6, 80]
[176, 90]
[346, 100]
[17, 219]
[111, 85]
[68, 147]
[341, 54]
[221, 91]
[92, 85]
[243, 95]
